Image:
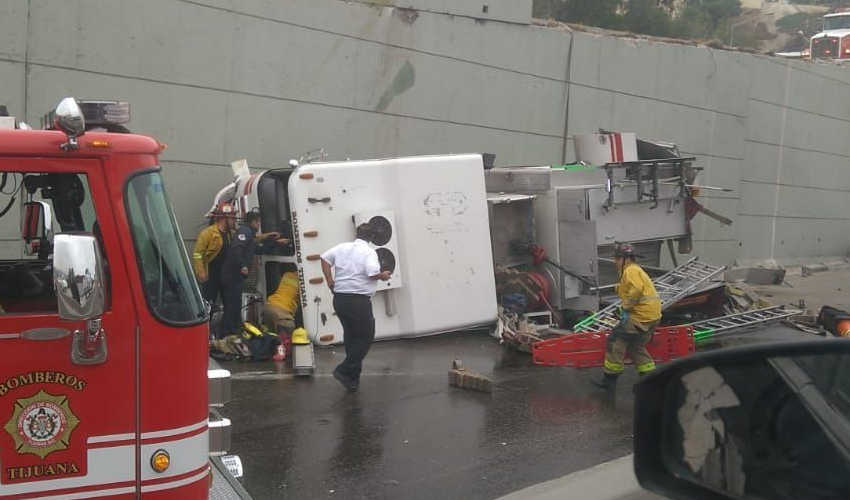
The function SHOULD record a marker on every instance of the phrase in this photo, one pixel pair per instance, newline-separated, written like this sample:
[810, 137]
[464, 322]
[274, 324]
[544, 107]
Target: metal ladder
[711, 328]
[671, 287]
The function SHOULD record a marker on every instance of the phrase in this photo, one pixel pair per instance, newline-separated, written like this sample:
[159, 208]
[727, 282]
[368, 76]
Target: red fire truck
[104, 334]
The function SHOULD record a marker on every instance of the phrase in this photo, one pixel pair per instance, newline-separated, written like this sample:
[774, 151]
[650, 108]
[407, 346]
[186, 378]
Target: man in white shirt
[351, 271]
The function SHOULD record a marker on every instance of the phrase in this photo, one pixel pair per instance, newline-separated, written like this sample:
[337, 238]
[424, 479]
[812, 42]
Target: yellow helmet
[299, 336]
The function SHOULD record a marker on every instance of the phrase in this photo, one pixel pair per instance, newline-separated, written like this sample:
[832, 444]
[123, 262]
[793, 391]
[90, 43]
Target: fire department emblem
[41, 424]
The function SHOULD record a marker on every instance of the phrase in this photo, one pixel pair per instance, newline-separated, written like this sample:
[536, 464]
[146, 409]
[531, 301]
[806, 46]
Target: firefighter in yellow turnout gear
[281, 306]
[640, 314]
[210, 249]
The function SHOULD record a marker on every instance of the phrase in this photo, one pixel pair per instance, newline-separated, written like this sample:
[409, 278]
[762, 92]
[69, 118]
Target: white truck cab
[834, 41]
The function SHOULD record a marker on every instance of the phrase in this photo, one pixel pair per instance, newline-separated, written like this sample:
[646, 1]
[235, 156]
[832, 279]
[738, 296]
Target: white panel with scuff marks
[442, 237]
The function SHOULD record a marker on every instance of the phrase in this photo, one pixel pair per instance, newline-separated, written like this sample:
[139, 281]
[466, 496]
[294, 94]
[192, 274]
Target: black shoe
[349, 384]
[608, 382]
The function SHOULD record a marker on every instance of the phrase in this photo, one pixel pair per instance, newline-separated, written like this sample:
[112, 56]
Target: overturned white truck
[448, 223]
[431, 212]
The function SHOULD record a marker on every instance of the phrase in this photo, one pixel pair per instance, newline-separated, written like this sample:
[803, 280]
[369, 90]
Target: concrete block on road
[464, 379]
[757, 275]
[811, 269]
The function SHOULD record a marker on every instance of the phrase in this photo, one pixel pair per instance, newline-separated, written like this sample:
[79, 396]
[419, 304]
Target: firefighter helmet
[299, 336]
[624, 250]
[223, 210]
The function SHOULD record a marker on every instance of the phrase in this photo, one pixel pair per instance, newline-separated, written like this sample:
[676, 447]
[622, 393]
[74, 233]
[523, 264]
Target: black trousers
[231, 298]
[358, 326]
[212, 288]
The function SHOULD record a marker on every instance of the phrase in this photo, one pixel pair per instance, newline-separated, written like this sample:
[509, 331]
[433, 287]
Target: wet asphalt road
[407, 434]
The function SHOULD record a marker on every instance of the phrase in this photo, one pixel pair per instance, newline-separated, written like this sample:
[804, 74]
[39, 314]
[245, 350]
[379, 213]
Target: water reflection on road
[407, 434]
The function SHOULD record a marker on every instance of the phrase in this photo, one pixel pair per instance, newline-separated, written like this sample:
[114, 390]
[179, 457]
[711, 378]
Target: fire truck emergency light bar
[97, 113]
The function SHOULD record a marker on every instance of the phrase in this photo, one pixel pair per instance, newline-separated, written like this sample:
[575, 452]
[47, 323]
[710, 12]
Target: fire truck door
[68, 336]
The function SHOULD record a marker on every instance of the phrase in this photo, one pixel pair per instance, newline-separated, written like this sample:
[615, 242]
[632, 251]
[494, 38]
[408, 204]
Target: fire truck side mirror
[69, 118]
[36, 225]
[78, 276]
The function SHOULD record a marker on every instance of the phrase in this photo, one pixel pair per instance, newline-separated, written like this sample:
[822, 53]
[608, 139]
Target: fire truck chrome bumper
[219, 432]
[218, 381]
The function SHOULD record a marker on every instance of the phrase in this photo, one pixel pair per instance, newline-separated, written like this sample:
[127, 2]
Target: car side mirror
[763, 421]
[78, 276]
[36, 225]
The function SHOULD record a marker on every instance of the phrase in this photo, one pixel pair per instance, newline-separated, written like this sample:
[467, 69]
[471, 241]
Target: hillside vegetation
[686, 19]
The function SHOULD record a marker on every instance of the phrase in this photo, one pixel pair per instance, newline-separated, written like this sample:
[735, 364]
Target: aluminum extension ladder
[671, 287]
[710, 328]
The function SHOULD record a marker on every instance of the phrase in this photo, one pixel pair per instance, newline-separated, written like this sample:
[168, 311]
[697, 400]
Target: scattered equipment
[672, 287]
[715, 327]
[585, 350]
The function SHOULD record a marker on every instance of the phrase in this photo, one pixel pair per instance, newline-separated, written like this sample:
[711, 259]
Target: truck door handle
[89, 347]
[326, 199]
[42, 334]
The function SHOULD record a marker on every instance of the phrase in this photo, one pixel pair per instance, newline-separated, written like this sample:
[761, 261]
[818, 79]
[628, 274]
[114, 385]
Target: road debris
[516, 331]
[756, 275]
[805, 323]
[811, 269]
[741, 298]
[463, 379]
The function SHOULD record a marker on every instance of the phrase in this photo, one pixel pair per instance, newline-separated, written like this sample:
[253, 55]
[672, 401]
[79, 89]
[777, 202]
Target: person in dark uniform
[351, 271]
[235, 268]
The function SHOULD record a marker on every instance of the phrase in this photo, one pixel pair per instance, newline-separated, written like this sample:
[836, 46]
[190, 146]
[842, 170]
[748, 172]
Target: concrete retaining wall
[219, 80]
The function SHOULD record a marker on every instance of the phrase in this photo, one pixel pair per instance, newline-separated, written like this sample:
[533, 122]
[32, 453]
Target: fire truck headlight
[160, 461]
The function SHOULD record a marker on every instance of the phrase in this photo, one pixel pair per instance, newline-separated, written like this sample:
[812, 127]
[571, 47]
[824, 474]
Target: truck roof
[841, 33]
[47, 142]
[838, 14]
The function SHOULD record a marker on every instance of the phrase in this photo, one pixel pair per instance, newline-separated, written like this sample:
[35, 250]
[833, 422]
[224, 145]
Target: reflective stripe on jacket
[207, 248]
[638, 294]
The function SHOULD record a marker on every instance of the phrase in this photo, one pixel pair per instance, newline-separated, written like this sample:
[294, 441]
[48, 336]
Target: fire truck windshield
[836, 23]
[170, 287]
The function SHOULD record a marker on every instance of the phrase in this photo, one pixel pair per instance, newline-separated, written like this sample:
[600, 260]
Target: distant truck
[834, 41]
